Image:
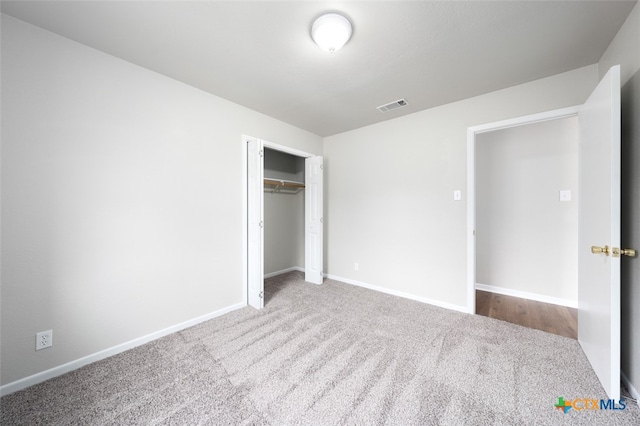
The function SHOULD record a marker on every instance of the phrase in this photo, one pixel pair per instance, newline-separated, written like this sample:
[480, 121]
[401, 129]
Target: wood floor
[529, 313]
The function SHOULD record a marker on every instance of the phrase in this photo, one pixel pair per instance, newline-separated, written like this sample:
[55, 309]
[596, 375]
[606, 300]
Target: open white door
[255, 224]
[313, 220]
[599, 227]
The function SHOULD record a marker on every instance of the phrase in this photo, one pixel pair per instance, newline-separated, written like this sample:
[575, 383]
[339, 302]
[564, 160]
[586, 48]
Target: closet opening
[284, 186]
[283, 215]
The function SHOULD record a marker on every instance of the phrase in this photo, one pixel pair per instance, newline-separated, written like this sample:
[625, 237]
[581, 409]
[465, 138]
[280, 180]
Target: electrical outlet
[44, 339]
[356, 267]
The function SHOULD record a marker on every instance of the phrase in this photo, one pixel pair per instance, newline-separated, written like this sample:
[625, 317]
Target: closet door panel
[255, 226]
[313, 219]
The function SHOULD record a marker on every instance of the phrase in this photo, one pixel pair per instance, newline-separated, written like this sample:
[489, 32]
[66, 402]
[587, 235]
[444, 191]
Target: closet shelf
[283, 186]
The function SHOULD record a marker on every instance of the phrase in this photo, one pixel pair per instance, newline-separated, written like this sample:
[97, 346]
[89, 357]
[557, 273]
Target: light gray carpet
[325, 355]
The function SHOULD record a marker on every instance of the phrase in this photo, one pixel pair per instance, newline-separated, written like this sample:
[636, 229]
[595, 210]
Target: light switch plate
[565, 195]
[457, 195]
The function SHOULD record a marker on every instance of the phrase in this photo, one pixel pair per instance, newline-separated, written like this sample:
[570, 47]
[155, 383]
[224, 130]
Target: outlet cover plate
[44, 339]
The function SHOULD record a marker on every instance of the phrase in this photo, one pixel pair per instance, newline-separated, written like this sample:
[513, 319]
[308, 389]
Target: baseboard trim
[632, 390]
[399, 293]
[284, 271]
[526, 295]
[81, 362]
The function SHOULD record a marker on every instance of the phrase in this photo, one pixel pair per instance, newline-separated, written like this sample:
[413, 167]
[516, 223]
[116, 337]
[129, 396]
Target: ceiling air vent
[393, 105]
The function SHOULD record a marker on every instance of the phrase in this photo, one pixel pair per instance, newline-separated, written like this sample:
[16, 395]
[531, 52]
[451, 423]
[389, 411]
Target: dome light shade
[331, 31]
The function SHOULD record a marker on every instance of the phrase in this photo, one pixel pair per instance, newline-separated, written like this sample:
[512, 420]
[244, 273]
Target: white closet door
[313, 220]
[255, 218]
[599, 225]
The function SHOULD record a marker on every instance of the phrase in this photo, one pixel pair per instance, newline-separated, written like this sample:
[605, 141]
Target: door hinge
[261, 224]
[321, 166]
[261, 153]
[261, 295]
[322, 220]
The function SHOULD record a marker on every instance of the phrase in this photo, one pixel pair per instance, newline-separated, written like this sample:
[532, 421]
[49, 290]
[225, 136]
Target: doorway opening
[477, 238]
[598, 224]
[526, 185]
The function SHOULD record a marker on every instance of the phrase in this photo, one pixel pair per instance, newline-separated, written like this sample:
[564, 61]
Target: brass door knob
[600, 250]
[628, 252]
[616, 252]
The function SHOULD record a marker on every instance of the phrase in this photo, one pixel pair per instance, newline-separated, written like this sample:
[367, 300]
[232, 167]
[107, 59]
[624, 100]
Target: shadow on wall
[630, 230]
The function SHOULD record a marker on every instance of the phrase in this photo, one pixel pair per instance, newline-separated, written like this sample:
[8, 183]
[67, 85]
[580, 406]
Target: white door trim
[471, 183]
[245, 220]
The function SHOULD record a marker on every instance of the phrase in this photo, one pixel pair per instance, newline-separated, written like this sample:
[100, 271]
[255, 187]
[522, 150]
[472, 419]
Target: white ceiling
[259, 54]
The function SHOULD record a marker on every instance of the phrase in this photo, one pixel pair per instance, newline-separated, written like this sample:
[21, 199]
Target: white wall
[283, 231]
[389, 189]
[280, 165]
[625, 50]
[122, 199]
[526, 238]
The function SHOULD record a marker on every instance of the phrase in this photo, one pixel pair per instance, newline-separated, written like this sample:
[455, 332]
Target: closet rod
[285, 183]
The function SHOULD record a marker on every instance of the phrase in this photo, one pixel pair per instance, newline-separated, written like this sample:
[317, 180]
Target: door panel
[313, 219]
[599, 225]
[255, 225]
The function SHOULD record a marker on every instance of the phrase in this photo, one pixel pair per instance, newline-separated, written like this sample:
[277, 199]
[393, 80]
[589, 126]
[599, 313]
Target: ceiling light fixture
[331, 31]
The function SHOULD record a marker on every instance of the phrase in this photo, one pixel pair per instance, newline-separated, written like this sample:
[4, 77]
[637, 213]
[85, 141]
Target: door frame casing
[471, 182]
[245, 207]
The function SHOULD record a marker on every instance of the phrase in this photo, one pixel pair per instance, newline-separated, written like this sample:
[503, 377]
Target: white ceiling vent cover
[393, 105]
